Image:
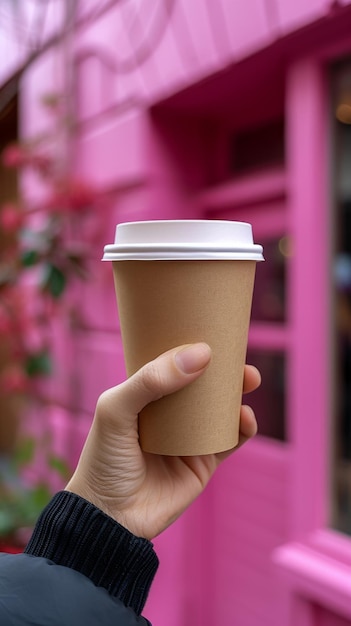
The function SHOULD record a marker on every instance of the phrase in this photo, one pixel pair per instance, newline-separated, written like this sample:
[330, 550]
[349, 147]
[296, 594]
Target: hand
[147, 492]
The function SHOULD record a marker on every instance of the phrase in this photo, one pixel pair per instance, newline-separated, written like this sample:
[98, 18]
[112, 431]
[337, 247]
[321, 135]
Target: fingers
[248, 429]
[169, 372]
[248, 424]
[252, 378]
[166, 374]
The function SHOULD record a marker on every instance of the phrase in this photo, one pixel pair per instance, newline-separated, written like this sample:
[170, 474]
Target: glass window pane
[341, 494]
[269, 294]
[268, 401]
[258, 148]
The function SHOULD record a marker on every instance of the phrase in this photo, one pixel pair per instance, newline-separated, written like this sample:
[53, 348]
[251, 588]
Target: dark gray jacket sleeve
[79, 568]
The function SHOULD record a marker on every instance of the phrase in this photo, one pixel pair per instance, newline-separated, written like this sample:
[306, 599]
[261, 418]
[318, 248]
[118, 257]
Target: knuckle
[152, 380]
[104, 399]
[105, 407]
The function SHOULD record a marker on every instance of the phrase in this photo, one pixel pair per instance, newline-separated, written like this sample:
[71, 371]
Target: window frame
[317, 560]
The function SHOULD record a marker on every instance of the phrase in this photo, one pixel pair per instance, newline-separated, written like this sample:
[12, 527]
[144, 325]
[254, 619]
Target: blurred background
[125, 110]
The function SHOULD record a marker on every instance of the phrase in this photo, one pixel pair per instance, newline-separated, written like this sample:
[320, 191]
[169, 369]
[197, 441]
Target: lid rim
[238, 256]
[173, 239]
[129, 247]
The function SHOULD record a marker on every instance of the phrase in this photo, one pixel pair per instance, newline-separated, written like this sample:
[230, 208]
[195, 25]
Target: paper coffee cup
[180, 282]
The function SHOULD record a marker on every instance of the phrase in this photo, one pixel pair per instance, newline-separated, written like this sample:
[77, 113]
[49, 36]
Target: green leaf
[40, 496]
[31, 503]
[7, 520]
[29, 258]
[54, 281]
[24, 453]
[39, 364]
[60, 466]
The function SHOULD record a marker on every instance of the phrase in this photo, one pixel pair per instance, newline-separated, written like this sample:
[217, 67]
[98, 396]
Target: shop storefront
[279, 158]
[240, 112]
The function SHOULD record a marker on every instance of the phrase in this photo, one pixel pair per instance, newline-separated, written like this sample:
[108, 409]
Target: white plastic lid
[183, 240]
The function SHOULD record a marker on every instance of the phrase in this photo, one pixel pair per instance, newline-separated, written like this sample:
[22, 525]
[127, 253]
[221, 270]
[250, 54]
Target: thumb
[169, 372]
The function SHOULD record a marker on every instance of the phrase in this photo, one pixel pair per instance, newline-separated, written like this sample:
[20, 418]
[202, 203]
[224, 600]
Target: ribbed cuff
[74, 533]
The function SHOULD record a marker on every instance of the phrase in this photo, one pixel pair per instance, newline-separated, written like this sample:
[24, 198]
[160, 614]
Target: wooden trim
[321, 578]
[254, 189]
[269, 336]
[308, 296]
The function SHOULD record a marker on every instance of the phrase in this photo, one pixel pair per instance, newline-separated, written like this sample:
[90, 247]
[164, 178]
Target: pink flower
[13, 379]
[81, 195]
[14, 156]
[71, 196]
[58, 201]
[11, 219]
[19, 156]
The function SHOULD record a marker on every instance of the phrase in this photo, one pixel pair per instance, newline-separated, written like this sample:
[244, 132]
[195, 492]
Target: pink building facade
[226, 110]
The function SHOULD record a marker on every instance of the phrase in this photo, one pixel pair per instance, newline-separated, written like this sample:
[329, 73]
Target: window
[269, 295]
[258, 148]
[268, 401]
[268, 321]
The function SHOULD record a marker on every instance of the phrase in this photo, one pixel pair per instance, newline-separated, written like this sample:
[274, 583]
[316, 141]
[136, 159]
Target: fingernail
[193, 358]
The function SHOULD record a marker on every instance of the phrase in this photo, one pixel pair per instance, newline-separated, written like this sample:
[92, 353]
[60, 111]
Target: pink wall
[157, 96]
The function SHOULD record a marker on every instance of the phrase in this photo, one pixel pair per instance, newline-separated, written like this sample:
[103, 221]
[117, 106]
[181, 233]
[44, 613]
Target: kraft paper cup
[180, 282]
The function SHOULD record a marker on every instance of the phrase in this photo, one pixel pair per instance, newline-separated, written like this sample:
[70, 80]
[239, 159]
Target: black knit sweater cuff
[74, 533]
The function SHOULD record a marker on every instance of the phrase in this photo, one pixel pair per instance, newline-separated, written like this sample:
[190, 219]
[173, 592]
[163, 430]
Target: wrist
[74, 533]
[101, 503]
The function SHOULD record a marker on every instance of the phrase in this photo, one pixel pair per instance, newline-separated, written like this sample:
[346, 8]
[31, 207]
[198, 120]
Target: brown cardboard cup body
[164, 304]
